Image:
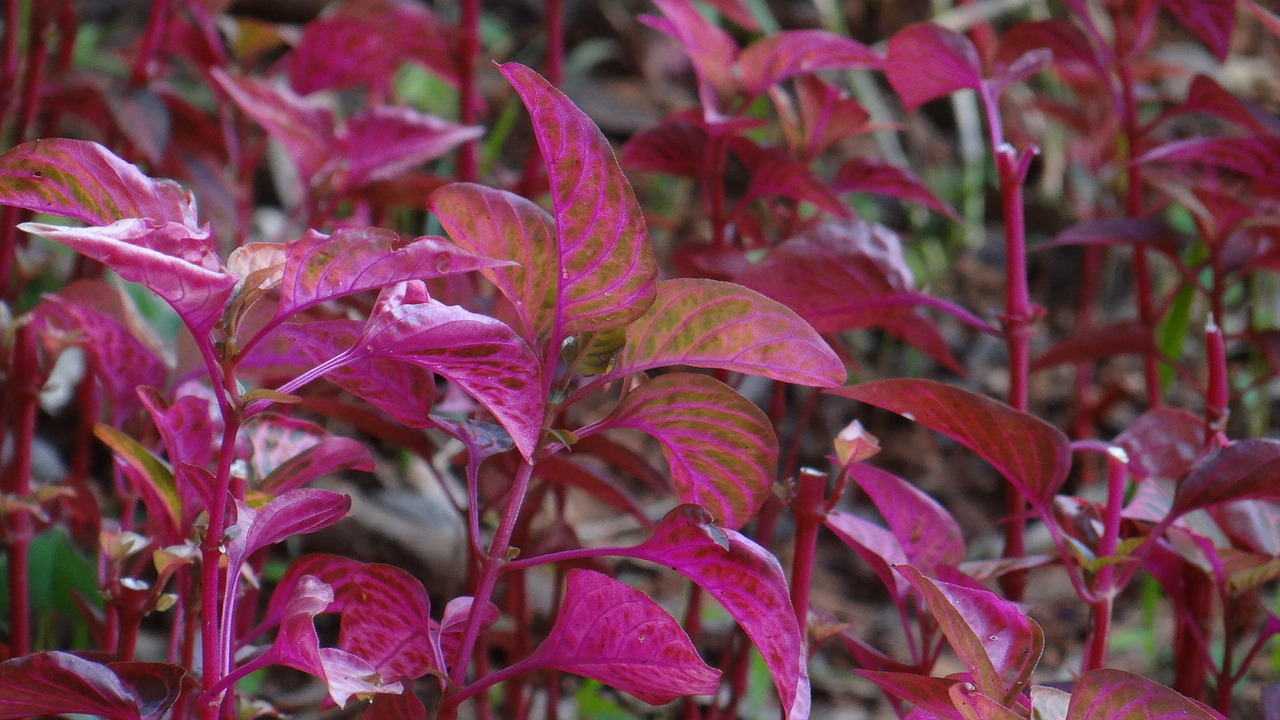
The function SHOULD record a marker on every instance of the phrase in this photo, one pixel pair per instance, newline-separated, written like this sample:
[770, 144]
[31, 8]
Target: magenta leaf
[288, 452]
[994, 638]
[306, 129]
[322, 267]
[931, 694]
[1163, 442]
[453, 625]
[1072, 52]
[1207, 96]
[827, 114]
[720, 447]
[156, 685]
[298, 647]
[1209, 20]
[929, 536]
[386, 619]
[384, 142]
[774, 172]
[711, 50]
[1106, 693]
[337, 571]
[879, 177]
[712, 324]
[188, 427]
[1245, 469]
[1256, 157]
[483, 356]
[785, 54]
[1030, 453]
[296, 512]
[927, 61]
[1097, 343]
[607, 266]
[613, 633]
[673, 147]
[748, 582]
[54, 683]
[87, 182]
[499, 224]
[878, 548]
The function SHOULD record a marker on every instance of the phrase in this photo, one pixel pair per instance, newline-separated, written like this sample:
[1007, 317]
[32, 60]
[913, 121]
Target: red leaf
[929, 536]
[774, 172]
[927, 61]
[931, 694]
[53, 683]
[1209, 20]
[879, 177]
[1105, 694]
[385, 142]
[1118, 231]
[720, 447]
[827, 114]
[674, 147]
[878, 548]
[1163, 442]
[1245, 469]
[712, 324]
[1030, 453]
[306, 129]
[613, 633]
[1097, 343]
[607, 266]
[386, 617]
[1072, 53]
[783, 55]
[1256, 157]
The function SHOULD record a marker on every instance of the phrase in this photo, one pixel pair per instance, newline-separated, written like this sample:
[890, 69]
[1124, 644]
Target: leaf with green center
[1030, 453]
[713, 324]
[607, 266]
[322, 267]
[721, 447]
[87, 182]
[499, 224]
[613, 633]
[748, 582]
[1106, 694]
[994, 639]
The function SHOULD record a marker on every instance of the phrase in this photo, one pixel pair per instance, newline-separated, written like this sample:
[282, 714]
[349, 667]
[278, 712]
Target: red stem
[693, 627]
[24, 385]
[9, 65]
[157, 20]
[468, 49]
[809, 508]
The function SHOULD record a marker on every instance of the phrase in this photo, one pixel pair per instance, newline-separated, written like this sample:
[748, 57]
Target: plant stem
[157, 21]
[809, 508]
[468, 49]
[24, 386]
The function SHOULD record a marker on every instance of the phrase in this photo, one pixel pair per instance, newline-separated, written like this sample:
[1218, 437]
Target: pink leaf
[386, 619]
[384, 142]
[404, 391]
[878, 548]
[711, 50]
[748, 582]
[87, 182]
[337, 571]
[1209, 20]
[1248, 468]
[298, 647]
[929, 536]
[288, 452]
[927, 61]
[881, 178]
[170, 259]
[296, 512]
[306, 129]
[1256, 157]
[674, 147]
[712, 324]
[931, 694]
[499, 224]
[322, 267]
[189, 426]
[607, 266]
[1030, 453]
[785, 54]
[453, 625]
[827, 114]
[719, 445]
[613, 633]
[1106, 693]
[54, 683]
[995, 639]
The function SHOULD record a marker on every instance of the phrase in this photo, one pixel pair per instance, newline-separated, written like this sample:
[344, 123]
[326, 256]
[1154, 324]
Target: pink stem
[468, 49]
[24, 384]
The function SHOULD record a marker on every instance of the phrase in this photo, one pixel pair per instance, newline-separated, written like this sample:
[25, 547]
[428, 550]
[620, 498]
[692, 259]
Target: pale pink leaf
[1030, 453]
[720, 447]
[1164, 442]
[712, 324]
[783, 55]
[607, 266]
[927, 61]
[613, 633]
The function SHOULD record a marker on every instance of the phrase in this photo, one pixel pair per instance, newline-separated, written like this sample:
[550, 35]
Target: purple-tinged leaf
[56, 683]
[775, 173]
[298, 647]
[607, 266]
[1250, 524]
[453, 625]
[879, 548]
[1142, 232]
[929, 536]
[1030, 453]
[1205, 95]
[306, 129]
[931, 694]
[976, 706]
[748, 582]
[296, 512]
[720, 447]
[1209, 20]
[712, 324]
[1073, 55]
[124, 363]
[1245, 469]
[927, 61]
[156, 685]
[189, 427]
[827, 114]
[711, 50]
[87, 182]
[386, 619]
[674, 147]
[993, 637]
[881, 178]
[322, 267]
[496, 223]
[402, 390]
[288, 452]
[613, 633]
[1257, 157]
[172, 260]
[1163, 442]
[785, 54]
[483, 356]
[1098, 343]
[384, 142]
[337, 571]
[1106, 694]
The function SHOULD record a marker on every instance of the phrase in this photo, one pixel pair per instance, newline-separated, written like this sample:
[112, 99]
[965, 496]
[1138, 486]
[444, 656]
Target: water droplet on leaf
[442, 263]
